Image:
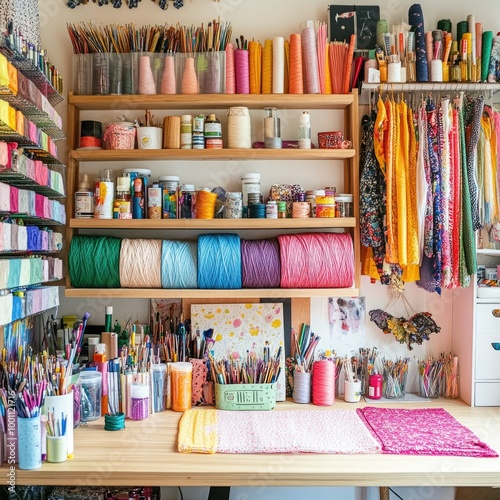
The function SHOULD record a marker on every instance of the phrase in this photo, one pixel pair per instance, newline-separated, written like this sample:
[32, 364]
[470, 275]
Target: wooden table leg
[384, 492]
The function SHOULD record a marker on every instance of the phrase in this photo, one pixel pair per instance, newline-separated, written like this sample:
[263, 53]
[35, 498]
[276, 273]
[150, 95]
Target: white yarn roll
[140, 263]
[239, 131]
[22, 238]
[4, 273]
[436, 70]
[278, 65]
[4, 197]
[6, 237]
[394, 72]
[45, 270]
[24, 275]
[23, 201]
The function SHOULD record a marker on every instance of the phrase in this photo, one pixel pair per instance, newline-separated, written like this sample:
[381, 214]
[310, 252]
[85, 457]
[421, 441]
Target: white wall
[261, 19]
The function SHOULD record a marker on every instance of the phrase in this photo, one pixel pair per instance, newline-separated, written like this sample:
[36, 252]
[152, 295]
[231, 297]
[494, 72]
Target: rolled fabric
[416, 20]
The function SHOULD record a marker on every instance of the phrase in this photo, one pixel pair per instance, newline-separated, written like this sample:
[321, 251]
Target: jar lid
[139, 390]
[282, 205]
[319, 192]
[188, 187]
[233, 194]
[344, 197]
[123, 184]
[159, 367]
[272, 202]
[91, 376]
[141, 171]
[250, 176]
[169, 178]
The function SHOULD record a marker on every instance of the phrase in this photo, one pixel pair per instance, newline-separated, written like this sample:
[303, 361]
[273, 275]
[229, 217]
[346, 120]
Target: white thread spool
[394, 72]
[302, 387]
[278, 65]
[239, 132]
[436, 70]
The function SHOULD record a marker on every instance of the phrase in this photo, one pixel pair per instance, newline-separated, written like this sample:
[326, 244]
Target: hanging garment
[456, 199]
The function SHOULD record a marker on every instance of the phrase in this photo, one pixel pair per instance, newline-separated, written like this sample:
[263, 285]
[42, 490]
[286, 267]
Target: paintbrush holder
[82, 74]
[245, 396]
[211, 72]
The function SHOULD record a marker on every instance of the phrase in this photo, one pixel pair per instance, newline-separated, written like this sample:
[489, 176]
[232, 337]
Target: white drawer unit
[487, 394]
[487, 357]
[488, 319]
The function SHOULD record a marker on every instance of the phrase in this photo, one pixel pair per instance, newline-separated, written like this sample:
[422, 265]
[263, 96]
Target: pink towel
[422, 431]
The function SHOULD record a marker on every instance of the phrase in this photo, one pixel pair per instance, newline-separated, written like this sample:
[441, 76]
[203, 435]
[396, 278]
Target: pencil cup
[149, 137]
[352, 391]
[302, 387]
[62, 405]
[91, 396]
[394, 387]
[57, 449]
[181, 380]
[428, 386]
[29, 434]
[159, 381]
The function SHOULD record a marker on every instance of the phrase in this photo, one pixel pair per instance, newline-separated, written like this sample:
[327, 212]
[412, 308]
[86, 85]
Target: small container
[187, 201]
[375, 383]
[84, 199]
[104, 196]
[233, 205]
[138, 211]
[311, 199]
[245, 396]
[344, 205]
[91, 383]
[181, 382]
[186, 132]
[325, 205]
[213, 133]
[139, 401]
[57, 449]
[271, 210]
[250, 183]
[155, 195]
[159, 382]
[29, 442]
[352, 391]
[170, 186]
[281, 209]
[198, 132]
[122, 207]
[301, 210]
[272, 129]
[305, 131]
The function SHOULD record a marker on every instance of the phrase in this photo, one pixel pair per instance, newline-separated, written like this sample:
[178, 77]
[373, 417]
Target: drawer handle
[496, 346]
[496, 313]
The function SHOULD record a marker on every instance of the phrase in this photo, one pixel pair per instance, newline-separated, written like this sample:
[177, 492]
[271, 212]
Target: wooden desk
[145, 452]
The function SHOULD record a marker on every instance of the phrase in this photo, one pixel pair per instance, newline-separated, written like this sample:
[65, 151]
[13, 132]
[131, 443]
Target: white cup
[149, 137]
[352, 391]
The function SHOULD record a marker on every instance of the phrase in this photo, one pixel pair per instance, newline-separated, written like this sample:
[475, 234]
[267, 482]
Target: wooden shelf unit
[349, 157]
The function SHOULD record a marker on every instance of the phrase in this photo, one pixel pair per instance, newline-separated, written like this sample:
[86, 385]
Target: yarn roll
[310, 60]
[278, 65]
[140, 263]
[267, 67]
[416, 20]
[230, 77]
[296, 72]
[260, 263]
[219, 261]
[494, 60]
[255, 58]
[462, 28]
[94, 261]
[242, 71]
[179, 263]
[147, 83]
[316, 260]
[382, 28]
[485, 54]
[445, 25]
[168, 82]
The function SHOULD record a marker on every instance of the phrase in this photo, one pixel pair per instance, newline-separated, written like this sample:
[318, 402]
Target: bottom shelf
[160, 293]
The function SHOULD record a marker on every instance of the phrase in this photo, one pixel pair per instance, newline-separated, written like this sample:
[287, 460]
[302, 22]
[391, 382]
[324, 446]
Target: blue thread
[179, 264]
[219, 261]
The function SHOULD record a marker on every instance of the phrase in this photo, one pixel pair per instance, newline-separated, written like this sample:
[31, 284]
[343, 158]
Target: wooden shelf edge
[219, 224]
[211, 154]
[196, 293]
[202, 101]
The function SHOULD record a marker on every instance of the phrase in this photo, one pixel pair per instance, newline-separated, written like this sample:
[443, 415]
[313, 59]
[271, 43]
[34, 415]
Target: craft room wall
[261, 19]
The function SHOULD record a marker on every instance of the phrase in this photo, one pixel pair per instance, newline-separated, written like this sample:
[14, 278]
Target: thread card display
[241, 329]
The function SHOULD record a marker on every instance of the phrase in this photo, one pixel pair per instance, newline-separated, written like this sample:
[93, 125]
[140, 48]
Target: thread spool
[140, 263]
[94, 261]
[296, 71]
[323, 383]
[179, 264]
[257, 210]
[233, 205]
[114, 422]
[90, 135]
[239, 134]
[189, 84]
[146, 79]
[310, 61]
[168, 82]
[394, 72]
[316, 260]
[230, 72]
[301, 387]
[278, 65]
[205, 204]
[242, 71]
[260, 263]
[301, 210]
[172, 132]
[219, 261]
[436, 70]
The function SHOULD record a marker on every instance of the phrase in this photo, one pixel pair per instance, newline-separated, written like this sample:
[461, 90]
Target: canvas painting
[347, 317]
[244, 328]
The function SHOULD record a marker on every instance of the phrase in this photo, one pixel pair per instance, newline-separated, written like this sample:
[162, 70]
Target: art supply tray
[245, 396]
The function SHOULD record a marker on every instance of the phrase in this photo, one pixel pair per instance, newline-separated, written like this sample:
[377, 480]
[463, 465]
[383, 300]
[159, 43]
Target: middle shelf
[219, 224]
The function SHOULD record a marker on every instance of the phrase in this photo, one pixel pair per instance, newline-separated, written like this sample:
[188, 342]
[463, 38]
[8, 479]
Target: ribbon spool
[242, 71]
[90, 134]
[239, 133]
[301, 387]
[219, 261]
[205, 204]
[114, 422]
[323, 383]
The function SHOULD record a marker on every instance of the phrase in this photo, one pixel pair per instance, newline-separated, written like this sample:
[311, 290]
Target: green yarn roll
[462, 27]
[485, 54]
[445, 25]
[94, 261]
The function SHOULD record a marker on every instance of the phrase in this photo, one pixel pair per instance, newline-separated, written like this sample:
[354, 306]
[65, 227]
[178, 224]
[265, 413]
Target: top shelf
[213, 101]
[432, 86]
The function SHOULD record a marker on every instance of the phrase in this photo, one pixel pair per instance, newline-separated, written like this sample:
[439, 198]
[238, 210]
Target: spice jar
[344, 205]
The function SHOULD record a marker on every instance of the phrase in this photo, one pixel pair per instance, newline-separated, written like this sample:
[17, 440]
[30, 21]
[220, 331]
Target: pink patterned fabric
[422, 431]
[293, 431]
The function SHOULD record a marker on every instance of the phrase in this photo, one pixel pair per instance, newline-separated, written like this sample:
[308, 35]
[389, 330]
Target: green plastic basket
[245, 396]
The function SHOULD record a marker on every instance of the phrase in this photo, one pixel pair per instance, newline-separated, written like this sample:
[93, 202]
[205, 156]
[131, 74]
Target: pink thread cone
[189, 83]
[168, 77]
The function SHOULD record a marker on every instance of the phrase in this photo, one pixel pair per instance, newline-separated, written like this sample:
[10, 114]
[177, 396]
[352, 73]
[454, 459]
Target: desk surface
[146, 452]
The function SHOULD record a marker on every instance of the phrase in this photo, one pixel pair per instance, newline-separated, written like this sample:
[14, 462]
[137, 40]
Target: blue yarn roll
[219, 261]
[416, 19]
[179, 264]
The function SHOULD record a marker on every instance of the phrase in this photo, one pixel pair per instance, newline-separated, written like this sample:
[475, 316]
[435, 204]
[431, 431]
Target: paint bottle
[84, 200]
[375, 382]
[122, 207]
[213, 133]
[105, 195]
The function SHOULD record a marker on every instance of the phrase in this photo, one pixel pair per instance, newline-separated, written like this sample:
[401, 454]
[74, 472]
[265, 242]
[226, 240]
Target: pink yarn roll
[146, 80]
[242, 71]
[316, 260]
[168, 77]
[428, 47]
[189, 84]
[296, 72]
[230, 77]
[260, 263]
[323, 383]
[310, 60]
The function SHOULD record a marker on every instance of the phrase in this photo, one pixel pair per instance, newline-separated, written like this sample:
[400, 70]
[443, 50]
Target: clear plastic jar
[344, 205]
[250, 183]
[271, 210]
[233, 206]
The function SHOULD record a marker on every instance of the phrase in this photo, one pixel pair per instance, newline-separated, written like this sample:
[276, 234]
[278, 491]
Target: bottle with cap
[84, 199]
[122, 205]
[138, 199]
[105, 195]
[213, 133]
[305, 131]
[272, 129]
